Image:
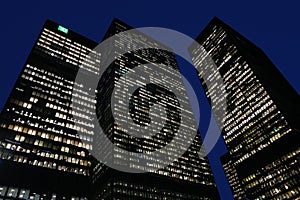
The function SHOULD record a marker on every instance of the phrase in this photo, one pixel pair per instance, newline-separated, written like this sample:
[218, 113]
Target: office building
[261, 128]
[48, 140]
[42, 156]
[189, 176]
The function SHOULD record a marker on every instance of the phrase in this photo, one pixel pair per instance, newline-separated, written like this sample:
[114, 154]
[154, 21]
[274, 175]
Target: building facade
[261, 129]
[40, 149]
[166, 182]
[47, 125]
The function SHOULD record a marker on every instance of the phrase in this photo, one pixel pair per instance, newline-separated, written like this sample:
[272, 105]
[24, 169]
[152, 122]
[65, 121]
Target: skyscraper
[261, 128]
[42, 156]
[189, 176]
[47, 125]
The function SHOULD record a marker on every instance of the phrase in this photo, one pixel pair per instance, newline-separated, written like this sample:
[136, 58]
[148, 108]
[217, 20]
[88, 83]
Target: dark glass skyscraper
[261, 129]
[189, 176]
[40, 149]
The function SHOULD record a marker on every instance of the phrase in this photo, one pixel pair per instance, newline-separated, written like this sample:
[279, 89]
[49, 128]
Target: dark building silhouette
[42, 156]
[188, 177]
[261, 129]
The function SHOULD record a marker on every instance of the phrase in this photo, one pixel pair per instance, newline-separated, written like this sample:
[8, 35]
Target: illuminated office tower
[188, 177]
[42, 156]
[261, 129]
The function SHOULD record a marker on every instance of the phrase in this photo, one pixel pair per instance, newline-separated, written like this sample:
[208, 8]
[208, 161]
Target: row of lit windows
[22, 104]
[58, 115]
[49, 98]
[257, 140]
[56, 78]
[82, 63]
[277, 177]
[255, 149]
[251, 117]
[51, 121]
[62, 116]
[60, 85]
[47, 164]
[175, 170]
[50, 136]
[46, 154]
[23, 193]
[72, 45]
[56, 83]
[142, 191]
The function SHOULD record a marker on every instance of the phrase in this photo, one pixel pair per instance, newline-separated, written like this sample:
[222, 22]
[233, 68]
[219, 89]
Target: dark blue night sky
[274, 27]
